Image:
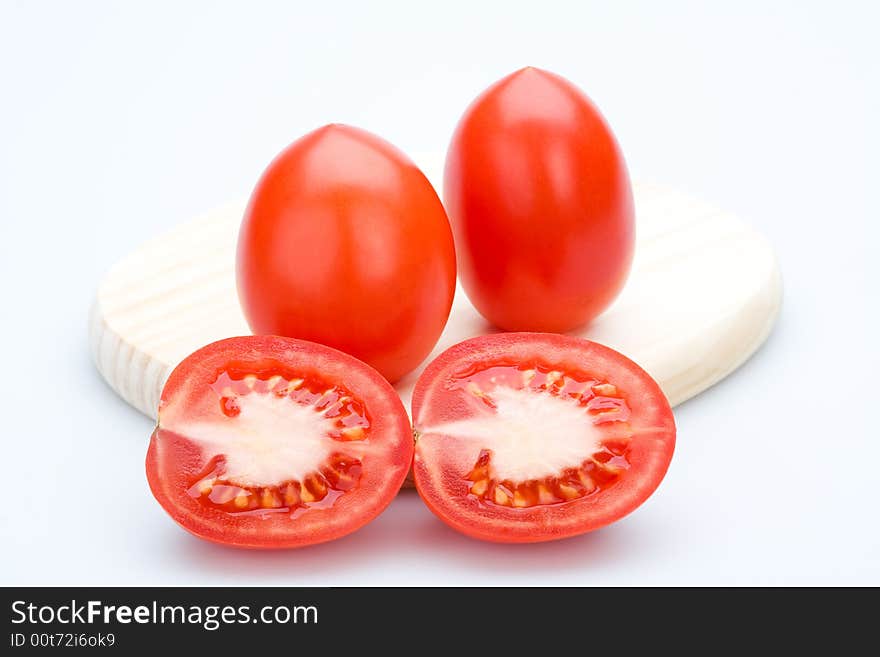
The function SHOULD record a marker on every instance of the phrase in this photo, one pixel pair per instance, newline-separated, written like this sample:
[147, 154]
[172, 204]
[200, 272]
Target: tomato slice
[525, 437]
[270, 442]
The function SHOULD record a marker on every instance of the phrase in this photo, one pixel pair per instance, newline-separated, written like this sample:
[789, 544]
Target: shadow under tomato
[408, 531]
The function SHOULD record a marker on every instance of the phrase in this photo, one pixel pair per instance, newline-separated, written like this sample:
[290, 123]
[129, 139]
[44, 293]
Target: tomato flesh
[274, 442]
[529, 437]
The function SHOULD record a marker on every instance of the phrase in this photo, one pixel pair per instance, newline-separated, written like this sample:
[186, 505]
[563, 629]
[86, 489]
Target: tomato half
[540, 202]
[525, 437]
[268, 442]
[346, 243]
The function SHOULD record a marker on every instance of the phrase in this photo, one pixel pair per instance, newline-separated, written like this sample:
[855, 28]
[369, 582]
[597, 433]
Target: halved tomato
[525, 437]
[269, 442]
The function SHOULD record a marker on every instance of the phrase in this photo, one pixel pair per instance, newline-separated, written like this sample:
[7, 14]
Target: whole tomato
[345, 243]
[540, 202]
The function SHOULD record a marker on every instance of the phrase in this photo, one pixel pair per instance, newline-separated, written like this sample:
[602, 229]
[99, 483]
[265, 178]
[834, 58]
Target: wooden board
[703, 295]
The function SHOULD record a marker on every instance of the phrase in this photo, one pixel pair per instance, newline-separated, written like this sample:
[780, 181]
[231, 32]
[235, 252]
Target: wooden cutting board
[703, 295]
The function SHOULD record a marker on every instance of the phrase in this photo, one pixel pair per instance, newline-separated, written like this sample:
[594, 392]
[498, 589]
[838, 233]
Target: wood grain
[703, 295]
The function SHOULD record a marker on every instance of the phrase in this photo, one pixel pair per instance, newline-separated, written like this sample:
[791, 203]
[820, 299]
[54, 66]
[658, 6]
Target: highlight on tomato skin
[345, 242]
[528, 437]
[272, 442]
[539, 198]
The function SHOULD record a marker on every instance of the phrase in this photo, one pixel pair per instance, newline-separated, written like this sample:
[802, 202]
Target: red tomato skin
[446, 492]
[173, 460]
[540, 202]
[346, 243]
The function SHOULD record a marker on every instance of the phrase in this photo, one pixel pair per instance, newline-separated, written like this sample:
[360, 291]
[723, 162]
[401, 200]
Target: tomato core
[527, 465]
[264, 408]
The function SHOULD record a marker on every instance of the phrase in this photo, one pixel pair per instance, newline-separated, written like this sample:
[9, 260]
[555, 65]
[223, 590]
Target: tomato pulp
[269, 442]
[539, 198]
[345, 243]
[525, 437]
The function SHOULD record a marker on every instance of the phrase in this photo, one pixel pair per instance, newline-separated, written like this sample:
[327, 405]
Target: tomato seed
[501, 497]
[604, 389]
[229, 406]
[480, 487]
[599, 471]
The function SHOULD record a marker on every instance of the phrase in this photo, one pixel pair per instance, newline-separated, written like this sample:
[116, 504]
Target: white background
[118, 120]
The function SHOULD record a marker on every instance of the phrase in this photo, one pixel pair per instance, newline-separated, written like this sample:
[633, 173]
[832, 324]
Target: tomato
[269, 442]
[525, 437]
[345, 242]
[540, 202]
